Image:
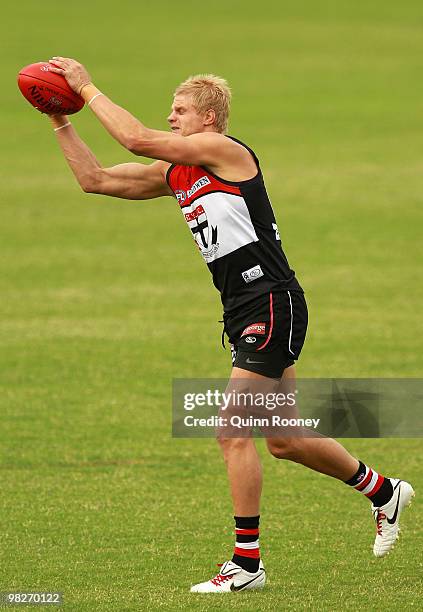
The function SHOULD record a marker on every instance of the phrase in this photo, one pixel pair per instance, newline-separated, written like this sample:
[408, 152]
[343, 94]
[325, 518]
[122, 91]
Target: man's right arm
[132, 181]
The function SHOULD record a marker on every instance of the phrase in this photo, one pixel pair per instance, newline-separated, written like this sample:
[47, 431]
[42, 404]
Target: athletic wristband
[94, 97]
[62, 126]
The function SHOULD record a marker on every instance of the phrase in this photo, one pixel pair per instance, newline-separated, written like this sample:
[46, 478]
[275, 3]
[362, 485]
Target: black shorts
[268, 334]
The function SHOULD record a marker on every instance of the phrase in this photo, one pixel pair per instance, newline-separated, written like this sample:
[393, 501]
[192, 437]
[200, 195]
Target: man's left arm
[198, 149]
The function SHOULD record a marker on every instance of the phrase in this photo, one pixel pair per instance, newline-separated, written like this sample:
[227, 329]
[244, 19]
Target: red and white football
[48, 91]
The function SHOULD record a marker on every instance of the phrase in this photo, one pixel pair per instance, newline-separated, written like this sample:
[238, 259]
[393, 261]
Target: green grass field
[103, 302]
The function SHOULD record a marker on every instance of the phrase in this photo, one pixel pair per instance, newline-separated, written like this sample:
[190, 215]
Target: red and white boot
[232, 578]
[387, 517]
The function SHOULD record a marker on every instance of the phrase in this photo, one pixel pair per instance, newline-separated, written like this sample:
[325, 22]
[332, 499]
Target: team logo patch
[205, 235]
[258, 329]
[181, 196]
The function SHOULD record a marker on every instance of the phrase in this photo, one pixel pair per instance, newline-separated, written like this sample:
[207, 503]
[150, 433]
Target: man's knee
[233, 445]
[284, 448]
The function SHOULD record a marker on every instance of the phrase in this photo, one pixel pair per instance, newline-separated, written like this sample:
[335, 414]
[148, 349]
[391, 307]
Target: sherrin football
[48, 91]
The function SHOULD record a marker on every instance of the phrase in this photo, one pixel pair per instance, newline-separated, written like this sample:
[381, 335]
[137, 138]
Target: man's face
[184, 119]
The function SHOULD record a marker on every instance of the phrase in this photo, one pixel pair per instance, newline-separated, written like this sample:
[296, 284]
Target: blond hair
[208, 92]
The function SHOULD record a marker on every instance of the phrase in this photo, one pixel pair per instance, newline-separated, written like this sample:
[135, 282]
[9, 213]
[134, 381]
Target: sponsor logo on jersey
[202, 182]
[250, 339]
[253, 273]
[259, 329]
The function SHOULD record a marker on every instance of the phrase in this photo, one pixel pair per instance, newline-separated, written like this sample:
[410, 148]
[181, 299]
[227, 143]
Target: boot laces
[379, 518]
[219, 579]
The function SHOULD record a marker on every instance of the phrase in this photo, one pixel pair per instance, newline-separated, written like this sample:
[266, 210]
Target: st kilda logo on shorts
[258, 329]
